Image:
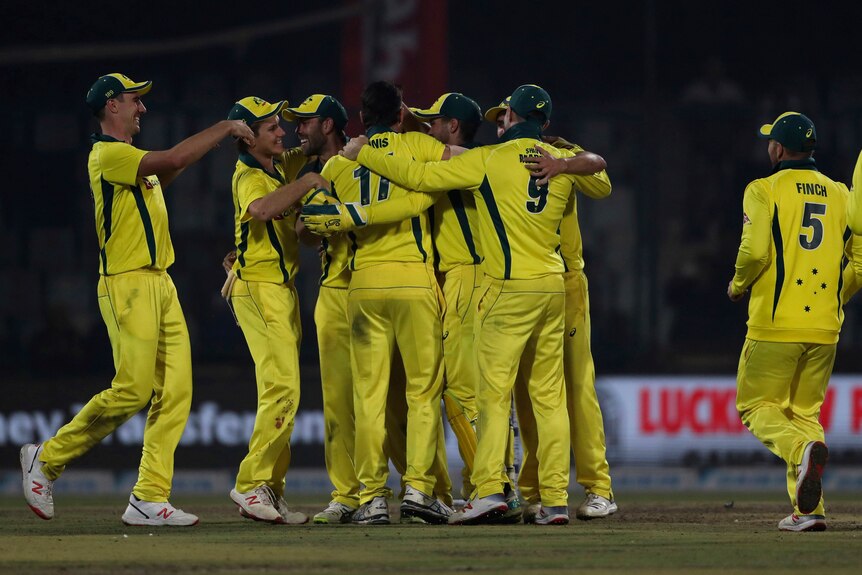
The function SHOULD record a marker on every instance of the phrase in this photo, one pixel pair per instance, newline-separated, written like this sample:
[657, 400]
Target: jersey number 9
[539, 195]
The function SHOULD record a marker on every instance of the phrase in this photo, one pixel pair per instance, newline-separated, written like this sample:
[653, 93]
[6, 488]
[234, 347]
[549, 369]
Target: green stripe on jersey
[417, 233]
[107, 209]
[494, 212]
[146, 221]
[779, 260]
[461, 213]
[276, 245]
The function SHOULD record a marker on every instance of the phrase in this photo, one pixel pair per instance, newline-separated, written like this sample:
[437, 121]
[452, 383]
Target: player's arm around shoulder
[276, 203]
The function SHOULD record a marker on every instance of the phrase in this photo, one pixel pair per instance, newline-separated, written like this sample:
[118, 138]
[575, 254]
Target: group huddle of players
[452, 274]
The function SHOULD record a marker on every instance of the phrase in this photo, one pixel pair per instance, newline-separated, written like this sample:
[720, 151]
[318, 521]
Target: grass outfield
[652, 533]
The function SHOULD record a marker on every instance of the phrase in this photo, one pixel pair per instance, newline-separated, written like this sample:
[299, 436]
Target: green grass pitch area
[652, 533]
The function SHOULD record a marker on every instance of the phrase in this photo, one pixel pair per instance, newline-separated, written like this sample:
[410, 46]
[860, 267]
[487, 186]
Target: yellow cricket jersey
[855, 210]
[131, 217]
[265, 251]
[454, 230]
[596, 186]
[518, 221]
[795, 246]
[404, 241]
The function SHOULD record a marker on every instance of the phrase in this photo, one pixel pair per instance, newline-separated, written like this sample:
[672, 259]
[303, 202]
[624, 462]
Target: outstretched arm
[281, 199]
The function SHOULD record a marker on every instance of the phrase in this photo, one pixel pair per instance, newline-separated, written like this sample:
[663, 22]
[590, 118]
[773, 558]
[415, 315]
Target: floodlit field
[652, 533]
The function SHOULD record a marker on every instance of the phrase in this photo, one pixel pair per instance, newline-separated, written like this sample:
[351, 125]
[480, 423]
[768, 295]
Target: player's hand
[558, 142]
[327, 219]
[351, 150]
[315, 180]
[227, 262]
[545, 167]
[241, 131]
[734, 297]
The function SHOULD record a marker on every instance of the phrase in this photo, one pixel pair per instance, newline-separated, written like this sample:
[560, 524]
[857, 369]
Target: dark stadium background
[670, 93]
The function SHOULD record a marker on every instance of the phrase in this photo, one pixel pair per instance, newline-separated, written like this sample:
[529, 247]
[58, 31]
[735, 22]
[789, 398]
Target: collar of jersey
[377, 129]
[806, 164]
[102, 138]
[522, 130]
[252, 162]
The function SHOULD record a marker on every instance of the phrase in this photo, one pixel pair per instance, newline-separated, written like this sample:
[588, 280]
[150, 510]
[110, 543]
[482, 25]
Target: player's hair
[100, 113]
[241, 146]
[381, 102]
[537, 116]
[468, 130]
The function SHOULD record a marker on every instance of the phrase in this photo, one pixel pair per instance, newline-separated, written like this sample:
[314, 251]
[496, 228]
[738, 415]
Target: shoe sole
[23, 457]
[810, 488]
[414, 514]
[375, 521]
[562, 520]
[152, 523]
[814, 525]
[485, 518]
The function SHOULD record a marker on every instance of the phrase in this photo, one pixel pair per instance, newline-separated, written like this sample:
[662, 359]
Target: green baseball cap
[252, 109]
[530, 98]
[492, 113]
[792, 130]
[452, 105]
[319, 106]
[108, 86]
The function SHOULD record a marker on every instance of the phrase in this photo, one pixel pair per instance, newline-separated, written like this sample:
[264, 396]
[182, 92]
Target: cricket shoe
[595, 506]
[375, 512]
[552, 515]
[530, 513]
[335, 513]
[480, 510]
[259, 504]
[809, 487]
[290, 517]
[140, 513]
[416, 507]
[38, 489]
[514, 512]
[794, 522]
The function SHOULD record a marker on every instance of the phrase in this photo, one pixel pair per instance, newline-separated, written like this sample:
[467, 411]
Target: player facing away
[521, 308]
[793, 254]
[139, 306]
[263, 295]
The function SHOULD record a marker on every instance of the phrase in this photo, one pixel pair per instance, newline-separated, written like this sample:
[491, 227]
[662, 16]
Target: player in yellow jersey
[265, 302]
[139, 305]
[392, 300]
[585, 416]
[855, 209]
[793, 251]
[521, 309]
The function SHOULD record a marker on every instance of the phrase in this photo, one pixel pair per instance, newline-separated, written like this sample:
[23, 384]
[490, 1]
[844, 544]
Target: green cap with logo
[252, 109]
[110, 85]
[319, 106]
[530, 98]
[792, 130]
[492, 113]
[452, 105]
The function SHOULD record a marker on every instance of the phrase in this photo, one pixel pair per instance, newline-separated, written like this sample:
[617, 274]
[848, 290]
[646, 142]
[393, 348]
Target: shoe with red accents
[794, 522]
[552, 515]
[141, 513]
[259, 504]
[480, 510]
[38, 489]
[809, 485]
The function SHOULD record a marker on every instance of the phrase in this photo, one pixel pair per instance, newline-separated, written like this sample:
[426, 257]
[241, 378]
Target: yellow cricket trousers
[389, 304]
[152, 358]
[779, 390]
[268, 314]
[585, 416]
[520, 327]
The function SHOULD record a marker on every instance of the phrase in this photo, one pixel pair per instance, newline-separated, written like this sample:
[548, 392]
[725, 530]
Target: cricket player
[521, 309]
[393, 299]
[264, 300]
[139, 305]
[794, 248]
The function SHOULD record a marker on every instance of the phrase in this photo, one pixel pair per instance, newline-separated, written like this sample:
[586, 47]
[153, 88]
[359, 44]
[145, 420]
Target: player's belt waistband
[394, 275]
[467, 272]
[139, 271]
[551, 283]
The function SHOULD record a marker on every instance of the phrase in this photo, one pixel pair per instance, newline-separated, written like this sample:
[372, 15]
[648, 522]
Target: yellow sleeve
[399, 209]
[424, 147]
[250, 187]
[854, 209]
[120, 163]
[852, 274]
[753, 252]
[462, 172]
[596, 186]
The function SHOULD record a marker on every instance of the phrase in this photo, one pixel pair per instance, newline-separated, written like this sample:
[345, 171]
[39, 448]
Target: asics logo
[164, 513]
[573, 332]
[37, 488]
[809, 132]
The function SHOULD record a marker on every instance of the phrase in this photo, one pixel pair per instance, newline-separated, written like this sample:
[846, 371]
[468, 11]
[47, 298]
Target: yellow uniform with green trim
[585, 416]
[392, 300]
[521, 308]
[794, 251]
[265, 301]
[145, 322]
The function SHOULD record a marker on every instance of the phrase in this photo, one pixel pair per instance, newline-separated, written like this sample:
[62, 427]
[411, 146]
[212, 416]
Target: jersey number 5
[363, 174]
[811, 220]
[539, 197]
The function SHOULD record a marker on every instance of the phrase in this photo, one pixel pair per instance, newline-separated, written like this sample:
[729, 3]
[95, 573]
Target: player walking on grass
[264, 189]
[139, 305]
[793, 254]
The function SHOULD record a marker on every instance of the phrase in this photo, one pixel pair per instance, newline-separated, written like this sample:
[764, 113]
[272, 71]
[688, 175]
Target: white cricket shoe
[258, 504]
[480, 510]
[416, 507]
[558, 515]
[809, 487]
[595, 506]
[335, 512]
[375, 512]
[290, 517]
[140, 513]
[530, 512]
[794, 522]
[38, 489]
